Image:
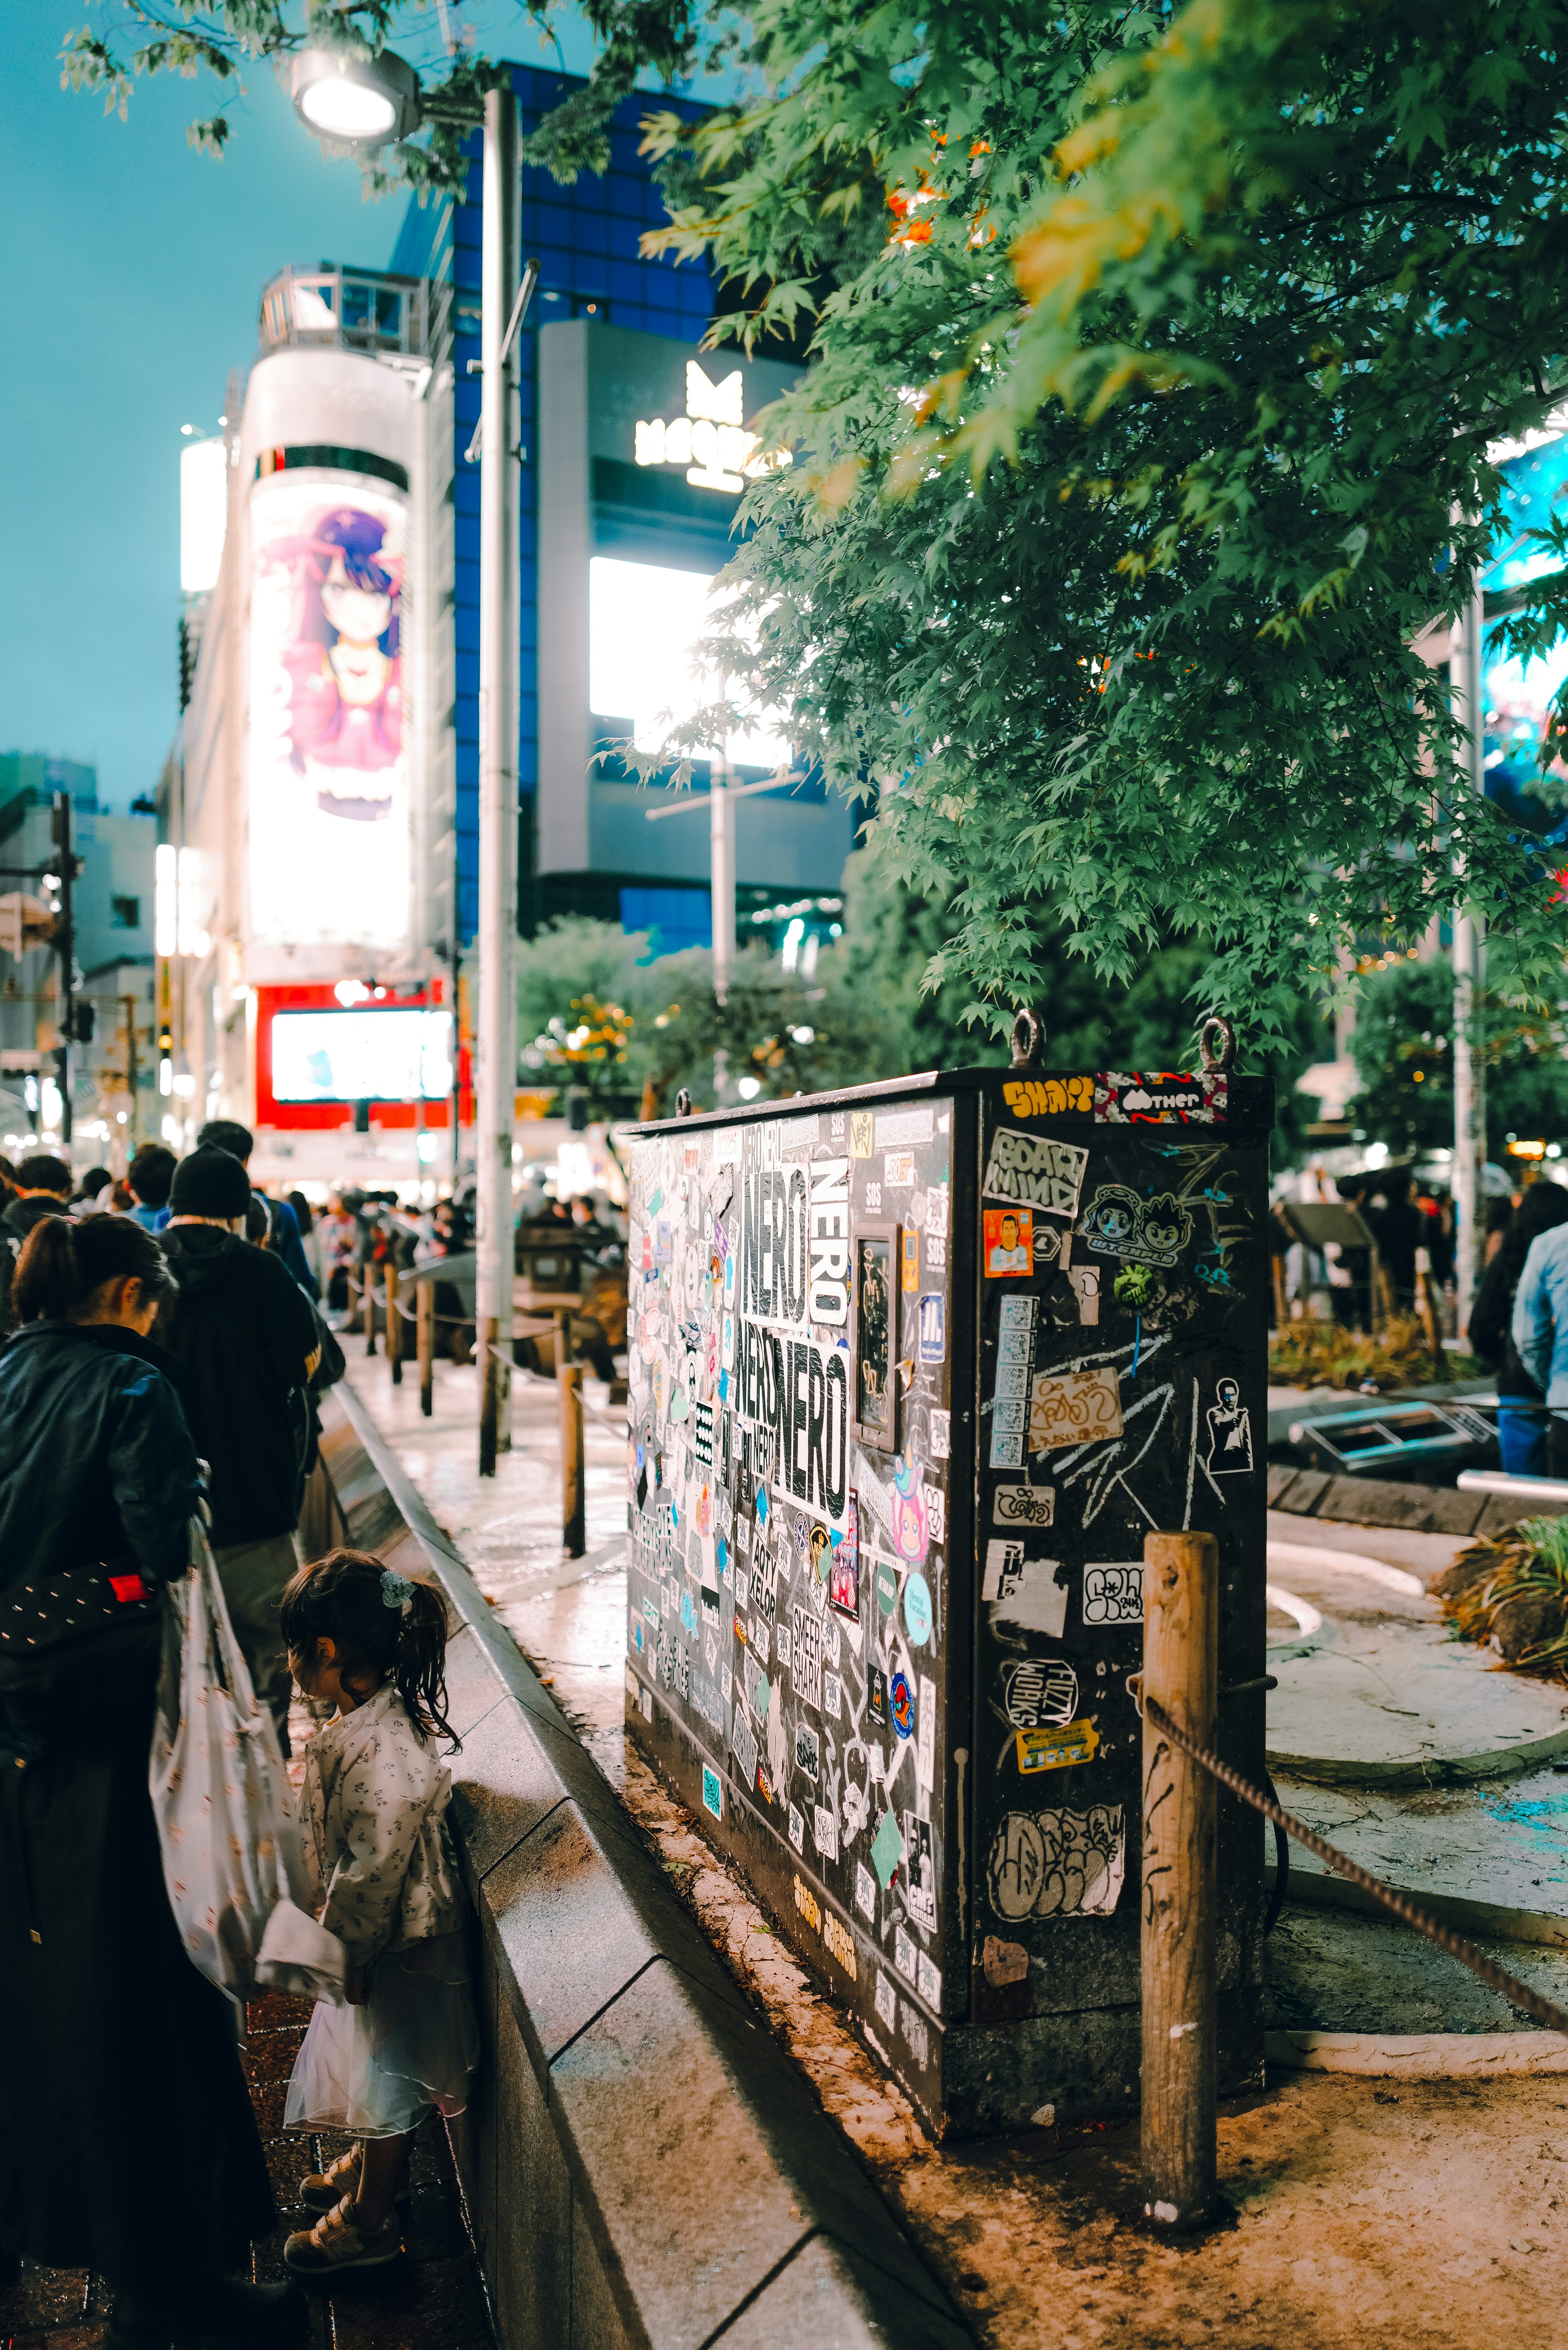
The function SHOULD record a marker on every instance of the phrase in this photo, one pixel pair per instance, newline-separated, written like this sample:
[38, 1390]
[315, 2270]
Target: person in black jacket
[1521, 1414]
[124, 2102]
[247, 1337]
[42, 1188]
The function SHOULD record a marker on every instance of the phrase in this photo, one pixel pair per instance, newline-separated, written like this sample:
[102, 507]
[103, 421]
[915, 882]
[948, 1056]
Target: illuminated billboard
[1519, 695]
[348, 1057]
[329, 769]
[644, 621]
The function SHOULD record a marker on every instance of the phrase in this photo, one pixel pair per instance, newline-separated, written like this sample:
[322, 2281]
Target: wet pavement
[433, 2300]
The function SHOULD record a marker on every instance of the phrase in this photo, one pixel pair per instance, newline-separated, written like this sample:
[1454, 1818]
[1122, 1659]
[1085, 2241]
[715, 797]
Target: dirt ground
[1362, 2212]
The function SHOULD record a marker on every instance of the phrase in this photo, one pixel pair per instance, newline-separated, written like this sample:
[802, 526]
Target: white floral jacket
[374, 1796]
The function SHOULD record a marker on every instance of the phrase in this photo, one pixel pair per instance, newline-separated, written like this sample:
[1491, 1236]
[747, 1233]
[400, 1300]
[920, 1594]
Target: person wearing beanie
[42, 1188]
[247, 1338]
[283, 1226]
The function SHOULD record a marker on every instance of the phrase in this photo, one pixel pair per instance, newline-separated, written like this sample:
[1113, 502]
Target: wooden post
[492, 1392]
[569, 1404]
[1182, 1672]
[394, 1326]
[1282, 1303]
[424, 1332]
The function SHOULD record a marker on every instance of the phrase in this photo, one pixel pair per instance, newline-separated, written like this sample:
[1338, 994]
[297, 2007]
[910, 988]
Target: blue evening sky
[135, 268]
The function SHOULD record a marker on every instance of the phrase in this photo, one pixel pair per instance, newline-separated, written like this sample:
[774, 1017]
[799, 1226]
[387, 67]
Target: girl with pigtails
[374, 1792]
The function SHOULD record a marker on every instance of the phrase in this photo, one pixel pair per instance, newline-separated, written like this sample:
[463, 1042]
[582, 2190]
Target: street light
[364, 102]
[358, 101]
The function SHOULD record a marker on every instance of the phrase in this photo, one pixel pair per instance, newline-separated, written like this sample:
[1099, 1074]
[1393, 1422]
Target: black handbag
[65, 1602]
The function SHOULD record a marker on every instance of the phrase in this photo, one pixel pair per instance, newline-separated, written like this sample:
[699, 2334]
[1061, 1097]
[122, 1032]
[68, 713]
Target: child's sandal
[323, 2190]
[335, 2245]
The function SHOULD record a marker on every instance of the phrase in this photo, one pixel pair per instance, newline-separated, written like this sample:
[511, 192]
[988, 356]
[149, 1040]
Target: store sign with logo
[710, 441]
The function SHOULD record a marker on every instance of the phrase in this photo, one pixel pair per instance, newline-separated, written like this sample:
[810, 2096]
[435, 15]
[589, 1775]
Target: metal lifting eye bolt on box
[913, 1370]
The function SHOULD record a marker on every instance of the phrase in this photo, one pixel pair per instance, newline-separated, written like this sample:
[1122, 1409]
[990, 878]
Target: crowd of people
[166, 1349]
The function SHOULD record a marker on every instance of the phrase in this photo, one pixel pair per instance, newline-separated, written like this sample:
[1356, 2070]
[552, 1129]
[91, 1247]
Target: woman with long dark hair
[1521, 1408]
[129, 2144]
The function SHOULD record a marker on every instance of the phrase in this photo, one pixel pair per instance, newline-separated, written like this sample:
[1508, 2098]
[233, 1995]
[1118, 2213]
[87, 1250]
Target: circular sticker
[918, 1609]
[887, 1587]
[903, 1707]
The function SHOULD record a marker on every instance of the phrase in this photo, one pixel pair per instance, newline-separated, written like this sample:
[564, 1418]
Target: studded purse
[66, 1602]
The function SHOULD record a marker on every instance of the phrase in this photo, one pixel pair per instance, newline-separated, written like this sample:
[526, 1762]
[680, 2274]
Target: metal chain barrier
[1496, 1977]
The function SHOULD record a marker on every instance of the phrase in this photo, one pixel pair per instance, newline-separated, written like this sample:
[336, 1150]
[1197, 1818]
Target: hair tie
[396, 1591]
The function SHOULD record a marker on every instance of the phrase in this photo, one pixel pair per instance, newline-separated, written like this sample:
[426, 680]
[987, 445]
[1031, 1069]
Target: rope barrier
[1496, 1977]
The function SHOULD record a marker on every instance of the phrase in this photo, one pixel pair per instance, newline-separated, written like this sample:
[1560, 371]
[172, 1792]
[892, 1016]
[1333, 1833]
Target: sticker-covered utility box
[913, 1370]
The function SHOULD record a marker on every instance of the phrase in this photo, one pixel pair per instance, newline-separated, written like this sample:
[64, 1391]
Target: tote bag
[233, 1862]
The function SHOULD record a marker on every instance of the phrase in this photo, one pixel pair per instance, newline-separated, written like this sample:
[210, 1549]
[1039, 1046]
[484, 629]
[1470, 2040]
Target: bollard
[394, 1326]
[1181, 1671]
[492, 1371]
[424, 1339]
[368, 1294]
[569, 1401]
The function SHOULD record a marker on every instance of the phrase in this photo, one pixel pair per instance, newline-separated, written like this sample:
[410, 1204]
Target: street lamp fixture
[356, 101]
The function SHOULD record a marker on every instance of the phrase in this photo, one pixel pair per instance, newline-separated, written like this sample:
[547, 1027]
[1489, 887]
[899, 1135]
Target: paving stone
[654, 2099]
[277, 2011]
[74, 2337]
[831, 2298]
[503, 1786]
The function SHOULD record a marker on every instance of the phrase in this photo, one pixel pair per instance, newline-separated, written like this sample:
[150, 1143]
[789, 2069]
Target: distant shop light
[356, 101]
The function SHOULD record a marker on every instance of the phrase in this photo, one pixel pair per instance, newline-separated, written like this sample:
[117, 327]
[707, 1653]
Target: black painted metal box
[913, 1370]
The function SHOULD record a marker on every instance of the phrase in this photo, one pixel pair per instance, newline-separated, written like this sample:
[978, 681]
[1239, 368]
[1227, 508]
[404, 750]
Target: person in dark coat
[42, 1188]
[247, 1338]
[1522, 1416]
[228, 1134]
[130, 2143]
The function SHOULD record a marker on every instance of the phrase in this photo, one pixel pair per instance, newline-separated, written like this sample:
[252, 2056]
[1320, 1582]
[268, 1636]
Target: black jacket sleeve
[289, 1335]
[1493, 1312]
[152, 1471]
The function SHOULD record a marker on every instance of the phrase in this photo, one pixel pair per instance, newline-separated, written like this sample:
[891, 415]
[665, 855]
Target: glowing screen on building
[343, 1056]
[1520, 694]
[644, 621]
[329, 816]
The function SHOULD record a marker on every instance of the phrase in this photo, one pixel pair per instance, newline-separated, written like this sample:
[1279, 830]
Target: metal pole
[722, 851]
[132, 1073]
[66, 938]
[569, 1410]
[424, 1301]
[498, 657]
[1469, 953]
[1180, 2055]
[394, 1325]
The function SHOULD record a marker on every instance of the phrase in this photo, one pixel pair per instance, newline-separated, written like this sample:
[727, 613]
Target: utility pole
[1465, 696]
[503, 303]
[132, 1073]
[66, 939]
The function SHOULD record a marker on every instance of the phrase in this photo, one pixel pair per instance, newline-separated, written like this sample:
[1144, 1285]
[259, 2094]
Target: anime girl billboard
[328, 805]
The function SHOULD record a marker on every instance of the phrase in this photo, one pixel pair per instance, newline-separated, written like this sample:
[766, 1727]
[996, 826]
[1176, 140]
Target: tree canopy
[1154, 425]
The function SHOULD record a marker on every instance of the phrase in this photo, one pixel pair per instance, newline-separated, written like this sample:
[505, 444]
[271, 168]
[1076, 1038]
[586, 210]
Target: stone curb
[1373, 1501]
[643, 2164]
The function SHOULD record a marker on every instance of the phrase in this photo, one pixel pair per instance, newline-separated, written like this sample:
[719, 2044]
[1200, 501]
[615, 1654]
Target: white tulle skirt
[378, 2070]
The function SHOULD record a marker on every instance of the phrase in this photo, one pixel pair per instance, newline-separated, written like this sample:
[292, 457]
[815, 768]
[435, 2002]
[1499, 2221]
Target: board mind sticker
[1057, 1864]
[1035, 1171]
[1160, 1098]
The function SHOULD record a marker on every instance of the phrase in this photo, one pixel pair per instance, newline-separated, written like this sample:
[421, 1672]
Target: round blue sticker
[918, 1609]
[903, 1707]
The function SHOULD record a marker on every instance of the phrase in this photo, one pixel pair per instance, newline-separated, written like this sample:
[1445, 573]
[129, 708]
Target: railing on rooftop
[354, 309]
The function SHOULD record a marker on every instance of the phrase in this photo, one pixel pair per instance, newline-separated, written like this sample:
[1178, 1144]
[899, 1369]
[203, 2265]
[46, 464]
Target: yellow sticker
[912, 1238]
[1048, 1097]
[1054, 1750]
[805, 1902]
[841, 1942]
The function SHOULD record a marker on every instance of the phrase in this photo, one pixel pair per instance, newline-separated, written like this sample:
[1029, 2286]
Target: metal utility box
[913, 1370]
